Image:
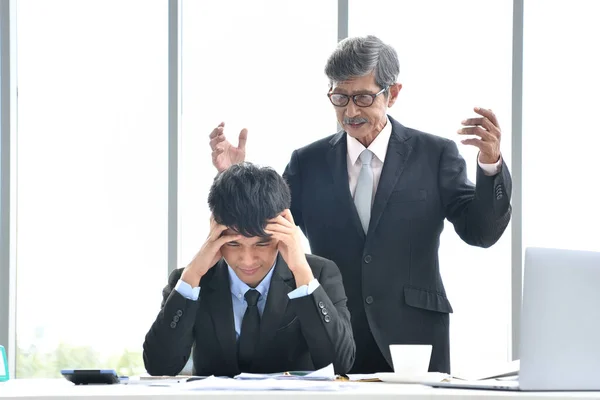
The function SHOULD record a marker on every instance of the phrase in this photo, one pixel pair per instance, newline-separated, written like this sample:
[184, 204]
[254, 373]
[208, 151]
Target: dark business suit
[391, 275]
[305, 333]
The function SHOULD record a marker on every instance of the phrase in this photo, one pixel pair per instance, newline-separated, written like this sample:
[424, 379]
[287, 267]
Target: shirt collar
[238, 287]
[378, 147]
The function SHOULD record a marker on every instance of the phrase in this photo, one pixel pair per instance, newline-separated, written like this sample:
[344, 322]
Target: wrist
[303, 276]
[488, 159]
[191, 277]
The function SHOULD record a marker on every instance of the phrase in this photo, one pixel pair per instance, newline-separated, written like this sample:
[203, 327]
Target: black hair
[244, 197]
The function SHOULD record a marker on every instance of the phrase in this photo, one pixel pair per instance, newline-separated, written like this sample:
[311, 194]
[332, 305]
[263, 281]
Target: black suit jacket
[306, 333]
[391, 275]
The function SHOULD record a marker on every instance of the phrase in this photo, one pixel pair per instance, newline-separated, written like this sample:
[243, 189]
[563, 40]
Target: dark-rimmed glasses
[361, 100]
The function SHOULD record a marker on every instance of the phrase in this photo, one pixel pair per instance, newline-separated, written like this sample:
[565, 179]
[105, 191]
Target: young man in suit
[251, 300]
[373, 198]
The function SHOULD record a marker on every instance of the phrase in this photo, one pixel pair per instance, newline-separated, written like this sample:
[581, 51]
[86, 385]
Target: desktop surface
[46, 389]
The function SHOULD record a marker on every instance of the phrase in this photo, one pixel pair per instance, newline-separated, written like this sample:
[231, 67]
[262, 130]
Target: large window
[253, 64]
[92, 137]
[455, 55]
[91, 182]
[561, 87]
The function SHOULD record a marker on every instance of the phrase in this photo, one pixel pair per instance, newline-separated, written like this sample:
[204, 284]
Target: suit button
[327, 318]
[179, 313]
[499, 197]
[175, 318]
[324, 311]
[321, 304]
[369, 300]
[173, 325]
[368, 259]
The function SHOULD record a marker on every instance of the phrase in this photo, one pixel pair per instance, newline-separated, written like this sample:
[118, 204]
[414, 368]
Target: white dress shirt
[379, 149]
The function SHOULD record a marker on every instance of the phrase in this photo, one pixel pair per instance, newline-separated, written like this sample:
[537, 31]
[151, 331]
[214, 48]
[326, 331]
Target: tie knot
[252, 296]
[365, 157]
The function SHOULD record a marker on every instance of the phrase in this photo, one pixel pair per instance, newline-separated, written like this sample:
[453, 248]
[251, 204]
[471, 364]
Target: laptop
[560, 325]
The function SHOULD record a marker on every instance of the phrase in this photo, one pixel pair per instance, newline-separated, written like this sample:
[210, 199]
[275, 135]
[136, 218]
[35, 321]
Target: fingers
[488, 114]
[217, 232]
[284, 219]
[287, 214]
[487, 129]
[215, 141]
[219, 129]
[221, 240]
[485, 123]
[213, 224]
[473, 121]
[484, 147]
[242, 139]
[278, 227]
[276, 235]
[477, 131]
[216, 229]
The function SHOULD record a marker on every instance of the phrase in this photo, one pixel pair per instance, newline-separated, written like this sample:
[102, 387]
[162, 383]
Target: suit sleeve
[325, 322]
[168, 344]
[479, 213]
[294, 181]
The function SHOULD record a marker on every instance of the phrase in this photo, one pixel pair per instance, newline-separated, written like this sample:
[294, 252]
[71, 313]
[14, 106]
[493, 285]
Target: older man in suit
[251, 300]
[373, 198]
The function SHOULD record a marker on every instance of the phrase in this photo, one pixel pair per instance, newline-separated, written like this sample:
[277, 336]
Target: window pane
[92, 182]
[455, 55]
[560, 137]
[257, 65]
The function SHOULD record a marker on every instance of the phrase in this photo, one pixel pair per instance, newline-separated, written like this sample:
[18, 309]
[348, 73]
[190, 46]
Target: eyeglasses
[361, 100]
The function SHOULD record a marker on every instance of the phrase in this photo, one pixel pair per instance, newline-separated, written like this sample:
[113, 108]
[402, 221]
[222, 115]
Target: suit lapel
[396, 157]
[282, 282]
[337, 159]
[218, 297]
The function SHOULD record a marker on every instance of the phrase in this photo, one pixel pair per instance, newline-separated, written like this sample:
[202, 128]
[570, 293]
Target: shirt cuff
[304, 290]
[490, 169]
[187, 291]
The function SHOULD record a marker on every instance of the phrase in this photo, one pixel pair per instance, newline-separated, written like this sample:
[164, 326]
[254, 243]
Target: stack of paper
[320, 380]
[324, 374]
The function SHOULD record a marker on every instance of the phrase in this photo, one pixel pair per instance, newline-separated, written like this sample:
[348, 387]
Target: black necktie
[250, 330]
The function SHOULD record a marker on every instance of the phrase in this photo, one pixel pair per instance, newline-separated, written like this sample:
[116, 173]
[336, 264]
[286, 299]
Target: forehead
[244, 239]
[357, 83]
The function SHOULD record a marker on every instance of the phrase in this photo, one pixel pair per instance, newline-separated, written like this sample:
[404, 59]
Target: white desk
[50, 389]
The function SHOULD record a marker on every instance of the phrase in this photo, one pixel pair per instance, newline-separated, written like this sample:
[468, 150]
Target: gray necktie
[364, 189]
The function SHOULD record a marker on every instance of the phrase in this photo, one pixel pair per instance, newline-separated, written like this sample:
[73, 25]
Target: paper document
[363, 378]
[323, 374]
[160, 380]
[215, 383]
[490, 371]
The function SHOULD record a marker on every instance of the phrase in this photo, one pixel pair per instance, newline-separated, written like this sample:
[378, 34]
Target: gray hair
[360, 56]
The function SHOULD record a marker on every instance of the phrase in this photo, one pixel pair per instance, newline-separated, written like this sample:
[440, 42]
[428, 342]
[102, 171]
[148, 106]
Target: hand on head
[209, 254]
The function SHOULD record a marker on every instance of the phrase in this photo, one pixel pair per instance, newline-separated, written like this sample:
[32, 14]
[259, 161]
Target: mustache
[358, 120]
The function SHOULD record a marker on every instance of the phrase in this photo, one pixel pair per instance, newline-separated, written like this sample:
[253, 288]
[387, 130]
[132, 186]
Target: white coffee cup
[411, 359]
